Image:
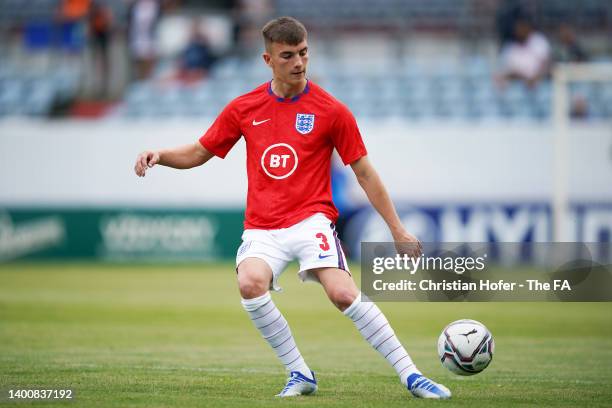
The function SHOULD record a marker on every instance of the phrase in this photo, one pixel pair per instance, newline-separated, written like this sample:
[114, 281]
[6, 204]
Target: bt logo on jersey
[275, 160]
[279, 161]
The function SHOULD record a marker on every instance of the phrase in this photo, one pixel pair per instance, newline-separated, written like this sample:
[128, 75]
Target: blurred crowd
[75, 28]
[526, 54]
[191, 41]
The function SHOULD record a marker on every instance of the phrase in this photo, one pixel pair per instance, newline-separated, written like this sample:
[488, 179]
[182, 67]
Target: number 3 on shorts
[324, 245]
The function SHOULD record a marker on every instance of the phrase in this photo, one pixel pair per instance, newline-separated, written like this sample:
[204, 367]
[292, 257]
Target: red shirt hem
[289, 222]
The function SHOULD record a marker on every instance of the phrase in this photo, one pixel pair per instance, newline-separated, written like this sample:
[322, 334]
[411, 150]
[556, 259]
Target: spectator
[73, 14]
[507, 14]
[197, 58]
[100, 23]
[526, 57]
[143, 18]
[569, 49]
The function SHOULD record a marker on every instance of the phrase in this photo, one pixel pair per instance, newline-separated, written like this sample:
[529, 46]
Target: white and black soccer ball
[466, 347]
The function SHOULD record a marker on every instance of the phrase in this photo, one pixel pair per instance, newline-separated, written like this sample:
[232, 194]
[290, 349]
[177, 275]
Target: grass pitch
[176, 336]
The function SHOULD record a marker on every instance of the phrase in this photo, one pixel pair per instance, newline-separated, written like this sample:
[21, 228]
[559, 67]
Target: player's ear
[267, 58]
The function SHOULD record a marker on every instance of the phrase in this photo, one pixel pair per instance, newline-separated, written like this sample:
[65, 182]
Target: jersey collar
[289, 100]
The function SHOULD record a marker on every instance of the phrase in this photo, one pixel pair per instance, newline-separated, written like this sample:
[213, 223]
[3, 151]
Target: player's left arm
[374, 188]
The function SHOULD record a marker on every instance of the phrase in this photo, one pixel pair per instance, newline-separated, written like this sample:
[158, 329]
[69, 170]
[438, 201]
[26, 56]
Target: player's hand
[408, 244]
[145, 160]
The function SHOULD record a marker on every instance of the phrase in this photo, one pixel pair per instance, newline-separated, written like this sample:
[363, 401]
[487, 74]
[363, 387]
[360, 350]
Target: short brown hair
[284, 30]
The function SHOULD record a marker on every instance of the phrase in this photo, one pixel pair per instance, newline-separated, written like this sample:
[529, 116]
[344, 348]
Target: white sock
[275, 330]
[374, 327]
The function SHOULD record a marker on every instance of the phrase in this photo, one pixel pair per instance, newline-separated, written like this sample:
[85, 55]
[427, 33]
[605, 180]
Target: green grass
[164, 336]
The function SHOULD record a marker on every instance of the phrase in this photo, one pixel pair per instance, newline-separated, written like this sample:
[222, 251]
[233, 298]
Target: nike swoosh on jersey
[255, 123]
[321, 256]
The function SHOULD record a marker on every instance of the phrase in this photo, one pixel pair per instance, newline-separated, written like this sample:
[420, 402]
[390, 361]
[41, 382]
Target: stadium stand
[414, 94]
[454, 88]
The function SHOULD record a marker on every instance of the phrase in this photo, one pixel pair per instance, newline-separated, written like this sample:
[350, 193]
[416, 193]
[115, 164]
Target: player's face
[288, 62]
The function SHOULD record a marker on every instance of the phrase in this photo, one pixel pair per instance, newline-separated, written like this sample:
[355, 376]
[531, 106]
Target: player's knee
[252, 284]
[342, 298]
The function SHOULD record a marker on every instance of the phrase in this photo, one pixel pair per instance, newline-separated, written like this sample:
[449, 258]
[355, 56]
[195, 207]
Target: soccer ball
[465, 347]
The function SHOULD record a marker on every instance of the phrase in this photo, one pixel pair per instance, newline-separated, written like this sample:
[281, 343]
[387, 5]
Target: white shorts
[313, 242]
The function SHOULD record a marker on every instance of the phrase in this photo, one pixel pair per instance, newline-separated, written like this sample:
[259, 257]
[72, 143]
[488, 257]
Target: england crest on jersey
[304, 122]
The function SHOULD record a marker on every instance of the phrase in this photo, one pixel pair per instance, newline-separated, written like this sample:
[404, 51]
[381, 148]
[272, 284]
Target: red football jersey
[289, 149]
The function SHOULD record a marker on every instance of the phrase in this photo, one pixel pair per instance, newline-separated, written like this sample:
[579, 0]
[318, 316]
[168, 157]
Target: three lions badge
[304, 122]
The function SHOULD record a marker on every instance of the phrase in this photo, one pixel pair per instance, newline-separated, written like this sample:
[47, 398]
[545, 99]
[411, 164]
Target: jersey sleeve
[224, 132]
[346, 136]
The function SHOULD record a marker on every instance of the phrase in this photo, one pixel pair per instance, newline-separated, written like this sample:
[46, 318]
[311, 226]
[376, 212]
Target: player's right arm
[217, 141]
[181, 157]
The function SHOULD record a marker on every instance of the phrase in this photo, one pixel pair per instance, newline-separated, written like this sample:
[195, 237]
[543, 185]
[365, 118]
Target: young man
[291, 127]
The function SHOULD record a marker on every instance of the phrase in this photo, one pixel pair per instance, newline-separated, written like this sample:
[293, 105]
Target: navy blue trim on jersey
[294, 99]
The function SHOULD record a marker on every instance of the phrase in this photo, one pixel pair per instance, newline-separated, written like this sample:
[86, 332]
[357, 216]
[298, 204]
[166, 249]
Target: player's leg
[367, 317]
[317, 246]
[322, 259]
[255, 276]
[375, 328]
